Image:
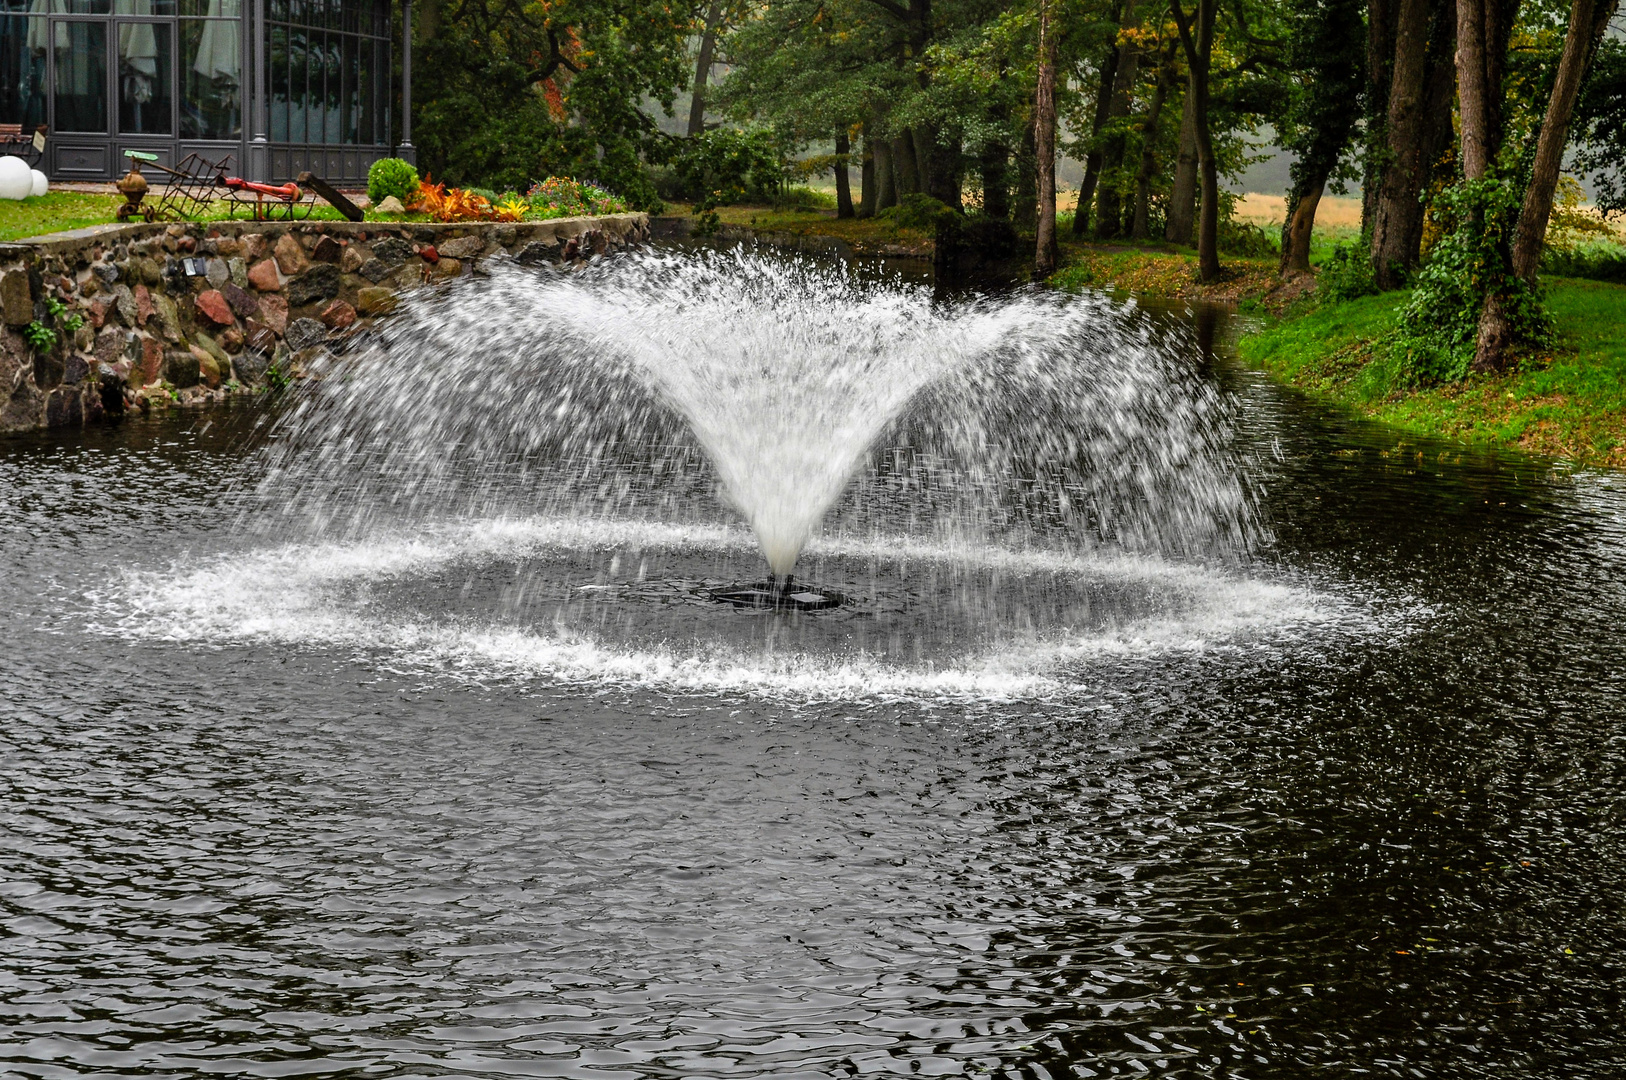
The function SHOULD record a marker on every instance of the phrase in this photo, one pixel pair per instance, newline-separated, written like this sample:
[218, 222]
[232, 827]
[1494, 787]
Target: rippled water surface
[510, 798]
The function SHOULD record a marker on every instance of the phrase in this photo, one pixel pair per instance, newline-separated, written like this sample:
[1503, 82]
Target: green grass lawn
[60, 211]
[1569, 403]
[57, 211]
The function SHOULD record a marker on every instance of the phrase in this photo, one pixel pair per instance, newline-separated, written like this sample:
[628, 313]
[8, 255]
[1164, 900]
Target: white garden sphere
[42, 183]
[16, 178]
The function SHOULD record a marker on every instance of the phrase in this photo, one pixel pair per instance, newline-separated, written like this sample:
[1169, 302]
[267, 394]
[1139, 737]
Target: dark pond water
[1358, 813]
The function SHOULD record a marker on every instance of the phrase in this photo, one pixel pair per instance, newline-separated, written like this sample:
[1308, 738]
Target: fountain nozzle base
[780, 595]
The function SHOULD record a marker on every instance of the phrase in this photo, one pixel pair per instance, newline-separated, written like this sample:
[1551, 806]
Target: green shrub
[1600, 260]
[722, 166]
[391, 176]
[802, 197]
[1346, 274]
[1244, 238]
[916, 211]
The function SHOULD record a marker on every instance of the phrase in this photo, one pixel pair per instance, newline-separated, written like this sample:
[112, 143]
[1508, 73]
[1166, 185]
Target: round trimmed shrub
[391, 176]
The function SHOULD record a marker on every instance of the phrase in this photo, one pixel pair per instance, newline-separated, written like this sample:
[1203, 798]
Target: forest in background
[1459, 123]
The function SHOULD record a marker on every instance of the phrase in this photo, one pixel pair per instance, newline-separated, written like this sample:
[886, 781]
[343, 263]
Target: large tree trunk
[886, 175]
[1589, 19]
[1198, 42]
[1044, 134]
[702, 69]
[844, 192]
[925, 140]
[993, 167]
[1380, 55]
[1141, 229]
[1025, 202]
[945, 174]
[866, 178]
[1397, 223]
[1109, 200]
[905, 169]
[1474, 88]
[1300, 227]
[1183, 194]
[1092, 157]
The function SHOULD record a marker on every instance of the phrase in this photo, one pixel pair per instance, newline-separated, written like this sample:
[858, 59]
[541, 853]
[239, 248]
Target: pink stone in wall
[212, 306]
[152, 358]
[143, 300]
[263, 276]
[274, 313]
[291, 257]
[338, 315]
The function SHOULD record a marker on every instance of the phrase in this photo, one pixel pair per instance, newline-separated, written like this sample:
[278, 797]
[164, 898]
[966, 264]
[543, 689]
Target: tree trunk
[944, 173]
[844, 191]
[1183, 194]
[1025, 203]
[905, 169]
[1380, 54]
[1141, 229]
[1473, 89]
[702, 69]
[1300, 227]
[867, 192]
[1589, 19]
[1044, 135]
[886, 175]
[1109, 200]
[1092, 157]
[925, 144]
[1198, 42]
[996, 196]
[1395, 225]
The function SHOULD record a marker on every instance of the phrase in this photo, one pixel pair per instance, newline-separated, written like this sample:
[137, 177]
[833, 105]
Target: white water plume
[656, 386]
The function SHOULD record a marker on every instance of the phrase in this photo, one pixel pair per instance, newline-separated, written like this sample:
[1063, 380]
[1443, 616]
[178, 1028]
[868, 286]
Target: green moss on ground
[1567, 403]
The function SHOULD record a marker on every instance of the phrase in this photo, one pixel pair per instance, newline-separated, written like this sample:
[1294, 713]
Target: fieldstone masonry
[186, 314]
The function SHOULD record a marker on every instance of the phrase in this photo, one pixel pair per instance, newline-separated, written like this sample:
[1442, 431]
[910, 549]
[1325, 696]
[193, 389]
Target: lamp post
[405, 151]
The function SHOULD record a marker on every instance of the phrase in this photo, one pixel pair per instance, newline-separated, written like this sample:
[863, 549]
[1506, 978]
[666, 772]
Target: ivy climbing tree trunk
[1044, 123]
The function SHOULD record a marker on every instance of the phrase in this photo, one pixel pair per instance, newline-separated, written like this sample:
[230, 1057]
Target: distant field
[1335, 211]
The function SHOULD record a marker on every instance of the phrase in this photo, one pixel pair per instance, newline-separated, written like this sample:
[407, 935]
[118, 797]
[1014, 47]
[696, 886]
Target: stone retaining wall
[188, 313]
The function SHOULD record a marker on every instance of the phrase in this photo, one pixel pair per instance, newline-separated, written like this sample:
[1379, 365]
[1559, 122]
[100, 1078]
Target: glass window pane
[81, 74]
[146, 73]
[211, 81]
[143, 7]
[74, 7]
[277, 60]
[22, 72]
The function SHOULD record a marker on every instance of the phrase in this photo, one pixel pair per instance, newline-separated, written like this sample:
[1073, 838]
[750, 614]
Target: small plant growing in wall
[42, 337]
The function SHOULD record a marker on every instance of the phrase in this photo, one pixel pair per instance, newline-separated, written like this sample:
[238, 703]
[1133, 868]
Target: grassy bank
[1568, 403]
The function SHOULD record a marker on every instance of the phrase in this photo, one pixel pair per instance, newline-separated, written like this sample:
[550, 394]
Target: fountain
[960, 472]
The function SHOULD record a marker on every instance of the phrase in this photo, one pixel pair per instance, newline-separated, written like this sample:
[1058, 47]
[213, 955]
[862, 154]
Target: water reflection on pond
[1378, 835]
